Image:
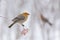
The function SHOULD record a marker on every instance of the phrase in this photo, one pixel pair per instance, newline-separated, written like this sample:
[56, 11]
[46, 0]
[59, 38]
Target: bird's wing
[19, 18]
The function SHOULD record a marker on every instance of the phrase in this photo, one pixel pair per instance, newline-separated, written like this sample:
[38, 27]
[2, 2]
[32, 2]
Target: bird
[21, 18]
[45, 20]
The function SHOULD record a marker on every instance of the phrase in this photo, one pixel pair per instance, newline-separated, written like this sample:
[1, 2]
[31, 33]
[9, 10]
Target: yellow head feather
[25, 13]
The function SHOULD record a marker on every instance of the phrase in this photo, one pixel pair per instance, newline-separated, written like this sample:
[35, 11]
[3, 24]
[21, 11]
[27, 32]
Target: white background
[37, 31]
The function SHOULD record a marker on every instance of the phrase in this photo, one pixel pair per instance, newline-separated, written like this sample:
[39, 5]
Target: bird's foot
[23, 25]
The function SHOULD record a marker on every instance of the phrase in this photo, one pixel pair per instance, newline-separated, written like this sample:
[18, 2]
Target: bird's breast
[22, 21]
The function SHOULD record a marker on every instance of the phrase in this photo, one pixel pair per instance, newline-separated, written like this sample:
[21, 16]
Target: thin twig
[4, 17]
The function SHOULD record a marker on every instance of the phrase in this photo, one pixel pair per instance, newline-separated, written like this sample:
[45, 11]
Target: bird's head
[26, 13]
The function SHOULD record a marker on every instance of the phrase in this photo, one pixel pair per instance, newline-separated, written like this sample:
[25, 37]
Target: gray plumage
[17, 19]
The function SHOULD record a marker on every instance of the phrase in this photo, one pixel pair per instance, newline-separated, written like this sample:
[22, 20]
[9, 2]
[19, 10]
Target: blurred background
[38, 30]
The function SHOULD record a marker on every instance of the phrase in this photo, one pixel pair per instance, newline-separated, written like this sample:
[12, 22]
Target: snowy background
[37, 31]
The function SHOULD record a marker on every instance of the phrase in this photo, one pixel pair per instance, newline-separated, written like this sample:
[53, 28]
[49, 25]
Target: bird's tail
[12, 24]
[50, 23]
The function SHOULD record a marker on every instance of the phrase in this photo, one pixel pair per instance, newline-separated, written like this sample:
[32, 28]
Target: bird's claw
[23, 25]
